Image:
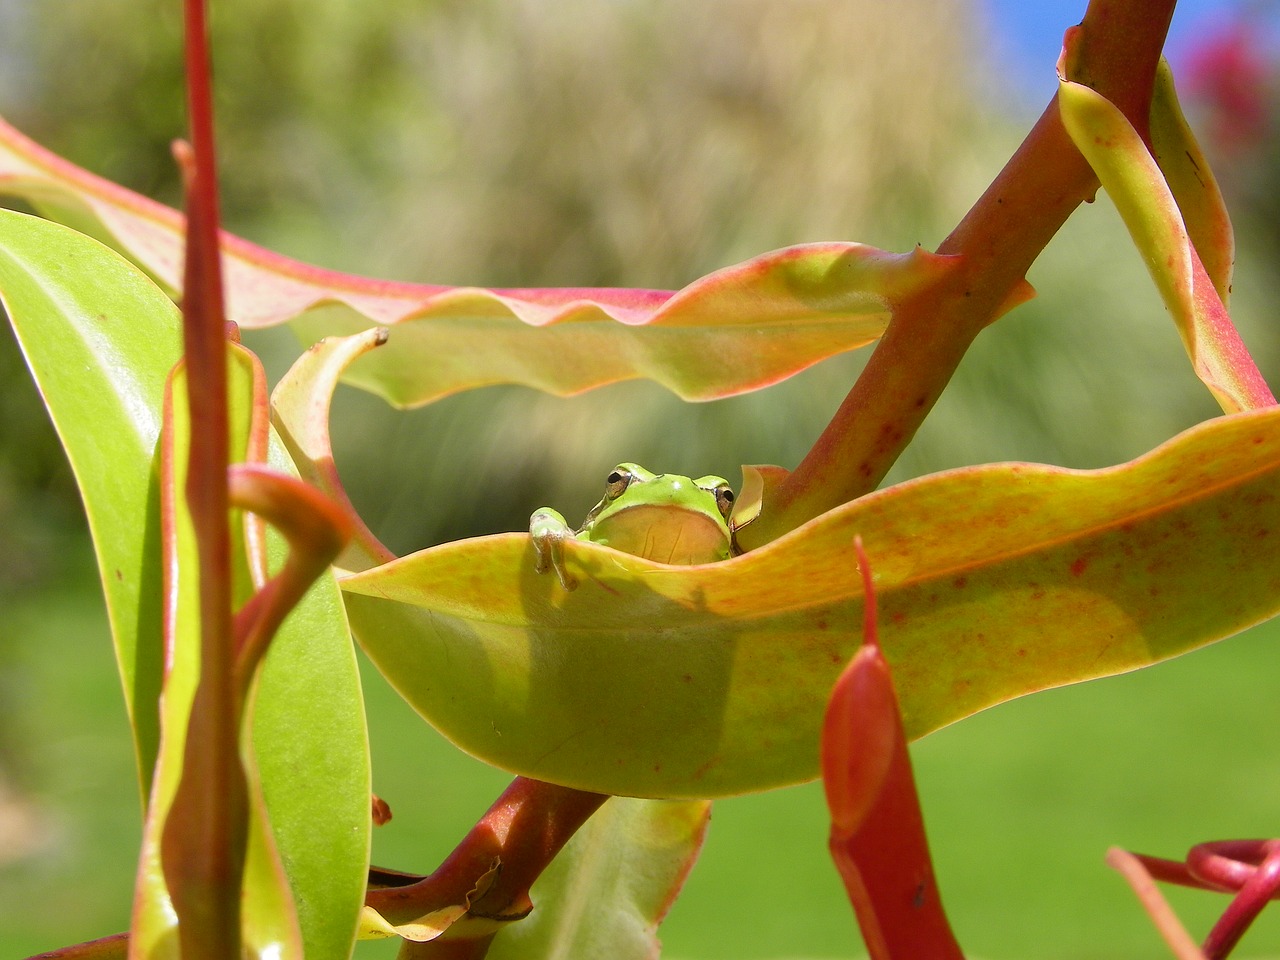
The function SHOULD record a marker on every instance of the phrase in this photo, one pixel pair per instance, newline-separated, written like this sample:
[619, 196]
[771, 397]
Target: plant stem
[1255, 893]
[999, 239]
[203, 845]
[520, 834]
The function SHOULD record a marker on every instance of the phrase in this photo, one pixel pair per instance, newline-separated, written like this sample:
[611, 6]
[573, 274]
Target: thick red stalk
[523, 830]
[203, 845]
[999, 239]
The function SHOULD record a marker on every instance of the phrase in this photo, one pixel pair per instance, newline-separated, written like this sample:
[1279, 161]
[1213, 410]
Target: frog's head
[663, 517]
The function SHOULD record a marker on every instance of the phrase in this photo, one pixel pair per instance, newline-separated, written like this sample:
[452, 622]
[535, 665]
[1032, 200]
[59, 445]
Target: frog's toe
[553, 558]
[548, 531]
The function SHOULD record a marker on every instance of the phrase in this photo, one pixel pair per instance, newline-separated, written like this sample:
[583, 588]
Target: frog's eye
[719, 488]
[724, 500]
[617, 481]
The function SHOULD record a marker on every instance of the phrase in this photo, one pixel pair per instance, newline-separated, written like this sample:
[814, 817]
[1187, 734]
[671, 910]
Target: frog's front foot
[549, 531]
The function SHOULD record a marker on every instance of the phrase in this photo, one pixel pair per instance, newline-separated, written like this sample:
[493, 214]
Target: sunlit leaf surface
[995, 581]
[100, 340]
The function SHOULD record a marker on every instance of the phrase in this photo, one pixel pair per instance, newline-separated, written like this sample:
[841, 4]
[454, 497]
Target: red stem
[203, 845]
[523, 830]
[1255, 893]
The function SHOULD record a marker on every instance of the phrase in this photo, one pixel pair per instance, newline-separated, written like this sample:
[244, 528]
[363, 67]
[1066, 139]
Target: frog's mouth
[666, 533]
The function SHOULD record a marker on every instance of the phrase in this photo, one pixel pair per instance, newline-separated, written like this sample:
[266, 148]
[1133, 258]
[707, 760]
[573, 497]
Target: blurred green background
[525, 142]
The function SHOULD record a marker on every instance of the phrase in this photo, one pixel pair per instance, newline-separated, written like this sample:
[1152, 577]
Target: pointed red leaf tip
[877, 830]
[862, 722]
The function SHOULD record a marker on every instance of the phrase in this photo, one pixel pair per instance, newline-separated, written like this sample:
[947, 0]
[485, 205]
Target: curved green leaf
[702, 342]
[1137, 186]
[300, 413]
[994, 581]
[1192, 183]
[606, 892]
[100, 340]
[311, 749]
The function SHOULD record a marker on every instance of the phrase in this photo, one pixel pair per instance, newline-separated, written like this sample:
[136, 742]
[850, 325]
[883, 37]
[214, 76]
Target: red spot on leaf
[1079, 565]
[960, 582]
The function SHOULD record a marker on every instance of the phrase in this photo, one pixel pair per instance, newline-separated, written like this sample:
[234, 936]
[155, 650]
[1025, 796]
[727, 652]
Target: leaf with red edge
[877, 828]
[702, 681]
[737, 329]
[1137, 186]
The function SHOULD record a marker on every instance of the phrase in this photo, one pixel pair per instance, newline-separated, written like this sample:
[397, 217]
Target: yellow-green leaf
[994, 581]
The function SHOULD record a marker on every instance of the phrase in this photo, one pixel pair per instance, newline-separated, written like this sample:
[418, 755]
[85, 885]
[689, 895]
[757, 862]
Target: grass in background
[1021, 803]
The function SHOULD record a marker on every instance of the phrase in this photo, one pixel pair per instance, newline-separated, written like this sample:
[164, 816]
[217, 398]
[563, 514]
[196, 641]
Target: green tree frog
[663, 517]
